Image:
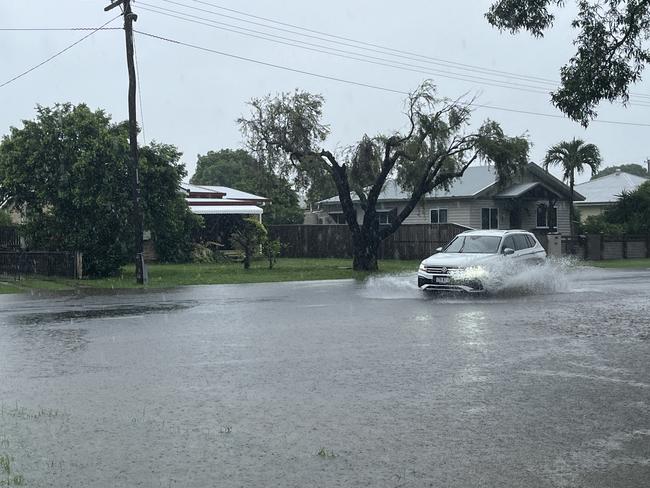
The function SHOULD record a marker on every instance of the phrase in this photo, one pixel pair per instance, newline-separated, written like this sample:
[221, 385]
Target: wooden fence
[623, 247]
[15, 264]
[597, 247]
[412, 241]
[9, 238]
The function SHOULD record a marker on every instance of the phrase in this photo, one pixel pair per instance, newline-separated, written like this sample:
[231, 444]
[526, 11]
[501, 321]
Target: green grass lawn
[170, 275]
[621, 263]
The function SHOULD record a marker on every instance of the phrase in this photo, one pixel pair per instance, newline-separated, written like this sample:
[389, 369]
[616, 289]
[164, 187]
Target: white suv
[465, 261]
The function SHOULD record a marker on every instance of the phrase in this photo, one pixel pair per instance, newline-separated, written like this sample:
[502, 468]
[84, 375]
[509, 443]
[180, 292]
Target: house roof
[475, 180]
[607, 189]
[220, 200]
[206, 191]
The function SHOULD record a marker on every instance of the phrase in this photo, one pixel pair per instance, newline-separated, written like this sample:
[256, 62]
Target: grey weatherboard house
[534, 200]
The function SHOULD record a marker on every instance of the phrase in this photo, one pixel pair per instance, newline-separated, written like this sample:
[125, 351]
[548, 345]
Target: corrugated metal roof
[608, 188]
[475, 179]
[230, 192]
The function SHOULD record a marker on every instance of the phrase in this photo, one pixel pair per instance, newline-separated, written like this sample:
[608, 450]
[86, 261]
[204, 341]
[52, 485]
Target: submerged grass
[171, 275]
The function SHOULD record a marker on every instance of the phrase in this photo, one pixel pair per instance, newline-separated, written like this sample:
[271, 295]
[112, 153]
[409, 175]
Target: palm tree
[574, 157]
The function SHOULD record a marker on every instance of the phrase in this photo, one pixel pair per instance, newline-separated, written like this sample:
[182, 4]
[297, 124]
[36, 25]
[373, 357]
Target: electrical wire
[30, 29]
[367, 85]
[434, 60]
[355, 56]
[347, 54]
[376, 48]
[24, 73]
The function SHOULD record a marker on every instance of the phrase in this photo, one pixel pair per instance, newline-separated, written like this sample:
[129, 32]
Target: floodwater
[543, 383]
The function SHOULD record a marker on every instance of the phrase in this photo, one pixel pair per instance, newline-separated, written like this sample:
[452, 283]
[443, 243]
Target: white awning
[226, 209]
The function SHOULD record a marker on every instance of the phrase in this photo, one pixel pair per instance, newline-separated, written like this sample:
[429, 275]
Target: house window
[546, 218]
[489, 218]
[383, 217]
[439, 216]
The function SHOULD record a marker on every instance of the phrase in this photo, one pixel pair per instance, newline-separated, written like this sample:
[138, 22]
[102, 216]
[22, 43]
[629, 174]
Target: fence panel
[574, 246]
[635, 247]
[613, 247]
[412, 241]
[16, 263]
[9, 238]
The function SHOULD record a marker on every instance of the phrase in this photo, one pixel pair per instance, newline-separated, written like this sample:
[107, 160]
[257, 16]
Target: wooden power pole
[137, 216]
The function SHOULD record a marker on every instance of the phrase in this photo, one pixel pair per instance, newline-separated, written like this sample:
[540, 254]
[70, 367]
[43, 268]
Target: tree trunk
[247, 257]
[364, 251]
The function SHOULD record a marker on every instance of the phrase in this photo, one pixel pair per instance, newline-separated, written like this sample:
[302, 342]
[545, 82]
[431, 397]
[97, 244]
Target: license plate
[443, 280]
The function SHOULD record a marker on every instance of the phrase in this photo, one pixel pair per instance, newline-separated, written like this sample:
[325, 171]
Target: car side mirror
[508, 251]
[438, 249]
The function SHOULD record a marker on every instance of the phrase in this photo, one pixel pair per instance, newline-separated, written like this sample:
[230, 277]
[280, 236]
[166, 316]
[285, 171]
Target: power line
[365, 85]
[352, 55]
[373, 47]
[355, 56]
[58, 53]
[431, 59]
[30, 29]
[264, 63]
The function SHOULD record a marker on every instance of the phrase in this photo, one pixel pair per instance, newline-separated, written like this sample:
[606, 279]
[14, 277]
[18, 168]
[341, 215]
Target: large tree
[631, 168]
[574, 157]
[68, 172]
[238, 169]
[612, 48]
[286, 132]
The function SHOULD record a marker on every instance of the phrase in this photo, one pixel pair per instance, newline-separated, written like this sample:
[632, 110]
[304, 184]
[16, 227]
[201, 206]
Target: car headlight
[422, 266]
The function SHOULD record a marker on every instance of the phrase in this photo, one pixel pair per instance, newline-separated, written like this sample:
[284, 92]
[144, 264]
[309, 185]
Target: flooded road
[332, 384]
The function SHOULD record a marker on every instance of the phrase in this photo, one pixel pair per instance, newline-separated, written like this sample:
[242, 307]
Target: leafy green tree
[598, 224]
[574, 157]
[249, 236]
[68, 170]
[271, 249]
[166, 213]
[611, 47]
[286, 133]
[238, 169]
[632, 211]
[5, 219]
[632, 168]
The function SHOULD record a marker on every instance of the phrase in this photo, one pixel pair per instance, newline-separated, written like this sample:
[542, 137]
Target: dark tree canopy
[67, 171]
[287, 134]
[238, 169]
[611, 47]
[631, 168]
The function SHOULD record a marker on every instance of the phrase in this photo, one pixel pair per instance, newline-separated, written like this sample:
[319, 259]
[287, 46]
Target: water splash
[505, 277]
[509, 277]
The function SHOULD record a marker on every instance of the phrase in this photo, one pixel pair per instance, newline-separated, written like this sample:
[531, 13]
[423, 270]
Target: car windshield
[474, 244]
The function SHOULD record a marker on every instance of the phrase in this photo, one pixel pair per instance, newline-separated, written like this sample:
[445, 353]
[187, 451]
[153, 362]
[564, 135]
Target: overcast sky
[191, 98]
